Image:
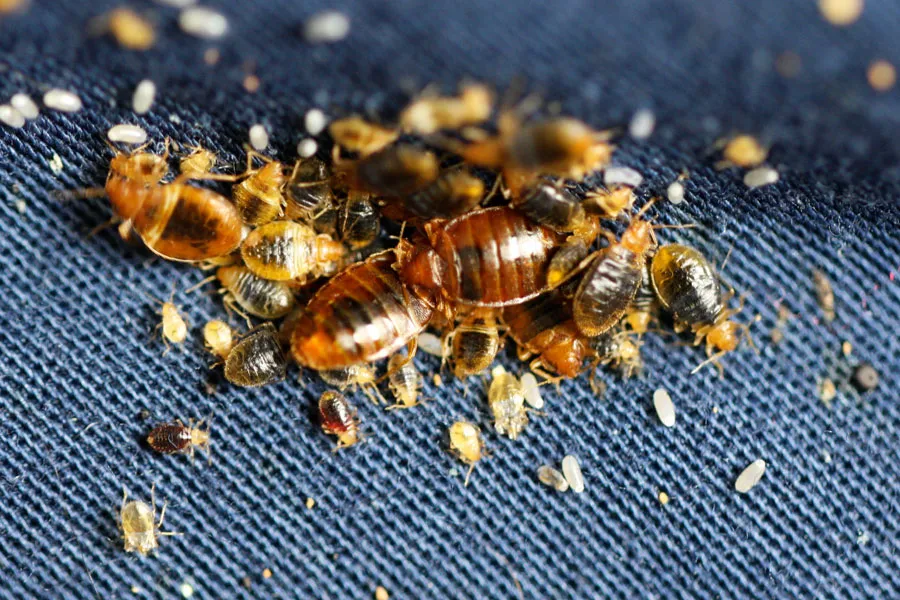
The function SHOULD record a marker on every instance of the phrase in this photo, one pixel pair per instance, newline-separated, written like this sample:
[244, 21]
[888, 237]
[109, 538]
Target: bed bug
[259, 195]
[405, 381]
[473, 345]
[308, 191]
[488, 257]
[137, 520]
[218, 337]
[176, 438]
[612, 279]
[429, 114]
[358, 221]
[688, 287]
[338, 418]
[360, 376]
[619, 350]
[395, 171]
[566, 260]
[260, 297]
[174, 328]
[466, 444]
[550, 204]
[176, 221]
[609, 203]
[256, 359]
[453, 193]
[363, 314]
[198, 163]
[355, 134]
[284, 250]
[643, 305]
[506, 399]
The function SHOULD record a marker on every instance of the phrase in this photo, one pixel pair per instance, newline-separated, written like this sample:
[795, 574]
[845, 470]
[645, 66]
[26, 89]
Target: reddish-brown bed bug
[488, 257]
[259, 195]
[612, 279]
[284, 250]
[338, 418]
[430, 113]
[355, 134]
[550, 204]
[394, 171]
[688, 287]
[473, 345]
[137, 520]
[363, 314]
[453, 193]
[176, 438]
[256, 359]
[176, 221]
[260, 297]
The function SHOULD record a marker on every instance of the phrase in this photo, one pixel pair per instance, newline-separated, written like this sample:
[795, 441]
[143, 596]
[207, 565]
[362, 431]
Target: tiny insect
[473, 345]
[256, 359]
[130, 29]
[198, 163]
[825, 294]
[618, 349]
[260, 297]
[609, 203]
[176, 438]
[363, 314]
[259, 195]
[688, 287]
[219, 338]
[338, 418]
[551, 204]
[552, 478]
[506, 399]
[743, 151]
[361, 376]
[429, 114]
[405, 381]
[174, 328]
[284, 250]
[308, 191]
[395, 171]
[358, 221]
[355, 134]
[466, 444]
[454, 193]
[137, 520]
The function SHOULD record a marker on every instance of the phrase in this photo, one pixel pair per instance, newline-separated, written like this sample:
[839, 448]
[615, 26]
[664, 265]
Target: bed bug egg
[405, 381]
[25, 105]
[615, 176]
[62, 100]
[315, 121]
[144, 94]
[430, 344]
[127, 134]
[137, 520]
[642, 124]
[219, 338]
[466, 444]
[176, 438]
[665, 408]
[675, 192]
[552, 478]
[750, 476]
[338, 418]
[326, 27]
[307, 147]
[760, 176]
[841, 12]
[203, 22]
[130, 29]
[259, 137]
[532, 391]
[572, 472]
[506, 399]
[11, 117]
[256, 359]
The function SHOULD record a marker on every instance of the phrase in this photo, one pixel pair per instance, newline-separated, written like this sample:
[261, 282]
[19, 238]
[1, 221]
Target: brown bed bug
[358, 221]
[473, 345]
[259, 196]
[453, 193]
[643, 306]
[506, 399]
[284, 250]
[355, 134]
[260, 297]
[488, 257]
[363, 314]
[175, 220]
[466, 444]
[137, 520]
[430, 113]
[404, 380]
[550, 204]
[688, 287]
[256, 359]
[611, 280]
[361, 376]
[308, 192]
[176, 438]
[338, 418]
[395, 171]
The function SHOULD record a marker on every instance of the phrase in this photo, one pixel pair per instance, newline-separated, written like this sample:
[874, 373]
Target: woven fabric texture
[79, 361]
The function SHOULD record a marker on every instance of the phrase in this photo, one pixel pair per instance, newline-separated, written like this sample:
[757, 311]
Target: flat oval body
[550, 145]
[170, 438]
[138, 524]
[474, 347]
[686, 284]
[259, 197]
[358, 223]
[337, 416]
[308, 191]
[182, 222]
[257, 359]
[259, 297]
[363, 314]
[550, 205]
[607, 288]
[496, 257]
[282, 250]
[452, 194]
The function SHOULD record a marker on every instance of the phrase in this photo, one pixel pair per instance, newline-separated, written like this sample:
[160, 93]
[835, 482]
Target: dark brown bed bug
[473, 345]
[338, 418]
[640, 312]
[612, 279]
[308, 191]
[358, 221]
[488, 257]
[394, 171]
[256, 359]
[453, 193]
[260, 297]
[259, 196]
[550, 204]
[688, 287]
[178, 438]
[176, 221]
[363, 314]
[284, 250]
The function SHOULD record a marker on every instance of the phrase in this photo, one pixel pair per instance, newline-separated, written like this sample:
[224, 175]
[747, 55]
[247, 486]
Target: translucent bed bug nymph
[466, 444]
[361, 376]
[431, 113]
[256, 359]
[473, 345]
[338, 418]
[687, 286]
[198, 163]
[405, 381]
[618, 349]
[173, 325]
[137, 520]
[176, 438]
[260, 297]
[506, 399]
[219, 338]
[609, 203]
[355, 134]
[284, 250]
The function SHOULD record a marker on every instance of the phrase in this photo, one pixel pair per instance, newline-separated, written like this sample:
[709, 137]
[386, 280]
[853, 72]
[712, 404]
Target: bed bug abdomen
[170, 438]
[607, 288]
[257, 359]
[686, 285]
[284, 250]
[338, 418]
[259, 197]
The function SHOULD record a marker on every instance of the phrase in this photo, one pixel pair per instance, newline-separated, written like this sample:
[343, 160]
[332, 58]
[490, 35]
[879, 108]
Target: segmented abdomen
[607, 288]
[686, 284]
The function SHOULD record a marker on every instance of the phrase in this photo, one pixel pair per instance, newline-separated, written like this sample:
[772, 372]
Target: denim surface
[79, 362]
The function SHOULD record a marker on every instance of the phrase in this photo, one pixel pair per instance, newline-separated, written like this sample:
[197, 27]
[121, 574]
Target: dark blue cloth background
[78, 361]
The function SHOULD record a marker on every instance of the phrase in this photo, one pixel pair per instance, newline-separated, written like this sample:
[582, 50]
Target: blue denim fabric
[78, 360]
